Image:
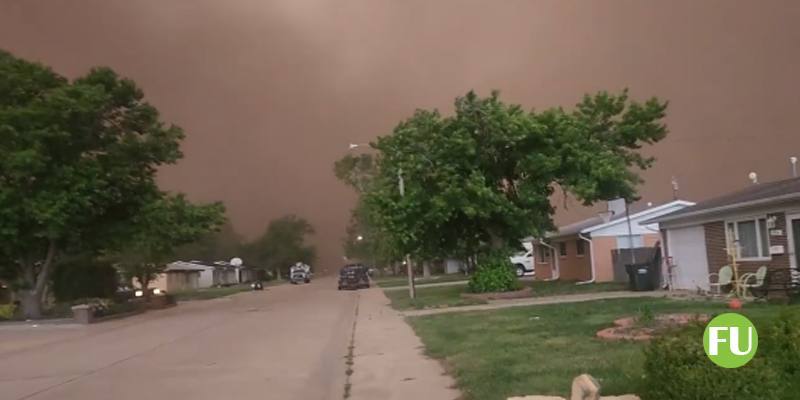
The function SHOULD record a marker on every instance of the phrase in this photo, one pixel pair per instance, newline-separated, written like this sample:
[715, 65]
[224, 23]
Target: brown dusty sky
[270, 93]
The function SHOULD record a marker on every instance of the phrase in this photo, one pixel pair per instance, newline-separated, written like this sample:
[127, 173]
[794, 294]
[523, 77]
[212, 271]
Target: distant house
[587, 250]
[178, 278]
[761, 222]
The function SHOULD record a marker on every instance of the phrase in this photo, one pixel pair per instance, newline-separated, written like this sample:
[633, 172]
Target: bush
[676, 367]
[494, 274]
[6, 311]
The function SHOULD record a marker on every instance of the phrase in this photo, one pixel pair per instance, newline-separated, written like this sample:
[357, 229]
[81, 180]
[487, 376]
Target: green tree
[77, 162]
[364, 240]
[158, 229]
[483, 177]
[282, 245]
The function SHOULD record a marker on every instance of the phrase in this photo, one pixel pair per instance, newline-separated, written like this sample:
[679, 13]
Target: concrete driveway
[288, 342]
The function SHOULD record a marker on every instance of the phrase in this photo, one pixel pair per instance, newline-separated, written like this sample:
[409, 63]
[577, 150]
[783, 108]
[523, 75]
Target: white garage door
[687, 246]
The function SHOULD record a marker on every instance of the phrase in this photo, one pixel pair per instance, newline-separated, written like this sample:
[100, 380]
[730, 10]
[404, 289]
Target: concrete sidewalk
[533, 301]
[388, 359]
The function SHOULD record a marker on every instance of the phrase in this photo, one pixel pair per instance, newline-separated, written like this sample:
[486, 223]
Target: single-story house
[760, 223]
[587, 250]
[178, 277]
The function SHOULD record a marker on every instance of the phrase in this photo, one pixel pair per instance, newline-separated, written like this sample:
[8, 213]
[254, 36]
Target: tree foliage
[77, 162]
[158, 229]
[282, 244]
[483, 177]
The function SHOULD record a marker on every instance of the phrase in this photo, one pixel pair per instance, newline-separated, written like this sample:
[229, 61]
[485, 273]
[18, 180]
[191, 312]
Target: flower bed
[631, 328]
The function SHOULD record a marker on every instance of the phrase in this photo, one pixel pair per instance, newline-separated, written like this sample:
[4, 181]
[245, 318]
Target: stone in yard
[584, 387]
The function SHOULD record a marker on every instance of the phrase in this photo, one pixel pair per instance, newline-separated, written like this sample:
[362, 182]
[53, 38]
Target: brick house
[585, 250]
[761, 222]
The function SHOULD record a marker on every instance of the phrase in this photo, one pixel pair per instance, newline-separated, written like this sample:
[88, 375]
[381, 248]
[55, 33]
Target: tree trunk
[31, 297]
[31, 303]
[426, 269]
[395, 268]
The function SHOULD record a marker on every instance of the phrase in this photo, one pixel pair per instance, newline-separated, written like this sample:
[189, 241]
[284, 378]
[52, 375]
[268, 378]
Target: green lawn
[210, 293]
[442, 296]
[450, 296]
[539, 349]
[394, 281]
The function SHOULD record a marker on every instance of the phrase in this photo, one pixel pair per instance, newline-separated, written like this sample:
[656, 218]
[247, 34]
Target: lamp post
[412, 290]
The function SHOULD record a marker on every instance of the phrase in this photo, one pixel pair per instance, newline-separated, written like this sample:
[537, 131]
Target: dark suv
[353, 276]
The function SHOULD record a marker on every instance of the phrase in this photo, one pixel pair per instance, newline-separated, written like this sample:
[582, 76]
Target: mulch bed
[517, 294]
[629, 329]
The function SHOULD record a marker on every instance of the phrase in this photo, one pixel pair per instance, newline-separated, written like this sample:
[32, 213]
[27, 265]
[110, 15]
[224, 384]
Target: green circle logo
[730, 340]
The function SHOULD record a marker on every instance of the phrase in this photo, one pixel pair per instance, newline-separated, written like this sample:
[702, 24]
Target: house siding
[573, 267]
[718, 257]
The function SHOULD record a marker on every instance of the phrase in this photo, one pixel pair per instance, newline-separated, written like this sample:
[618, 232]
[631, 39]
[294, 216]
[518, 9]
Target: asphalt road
[287, 342]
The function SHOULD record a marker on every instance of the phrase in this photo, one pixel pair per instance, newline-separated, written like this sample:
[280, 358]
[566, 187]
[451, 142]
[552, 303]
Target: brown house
[759, 224]
[596, 249]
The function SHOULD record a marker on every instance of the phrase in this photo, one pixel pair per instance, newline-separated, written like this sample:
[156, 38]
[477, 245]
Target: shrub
[6, 311]
[676, 367]
[494, 274]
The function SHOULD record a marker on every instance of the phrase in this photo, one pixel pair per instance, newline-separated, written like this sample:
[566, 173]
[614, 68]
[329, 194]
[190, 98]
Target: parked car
[300, 273]
[353, 276]
[523, 263]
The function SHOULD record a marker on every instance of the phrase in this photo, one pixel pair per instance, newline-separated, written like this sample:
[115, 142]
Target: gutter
[555, 261]
[591, 259]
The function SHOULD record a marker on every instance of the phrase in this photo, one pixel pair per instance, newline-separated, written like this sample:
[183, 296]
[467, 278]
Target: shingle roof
[760, 193]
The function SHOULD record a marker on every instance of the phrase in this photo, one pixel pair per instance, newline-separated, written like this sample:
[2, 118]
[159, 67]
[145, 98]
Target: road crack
[349, 358]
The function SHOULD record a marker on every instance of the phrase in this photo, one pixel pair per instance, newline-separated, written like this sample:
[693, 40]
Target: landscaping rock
[584, 387]
[627, 328]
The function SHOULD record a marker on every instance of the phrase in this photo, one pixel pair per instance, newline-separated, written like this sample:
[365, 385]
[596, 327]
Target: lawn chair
[723, 278]
[754, 282]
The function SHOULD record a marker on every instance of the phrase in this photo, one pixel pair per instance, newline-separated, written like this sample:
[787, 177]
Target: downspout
[591, 259]
[555, 261]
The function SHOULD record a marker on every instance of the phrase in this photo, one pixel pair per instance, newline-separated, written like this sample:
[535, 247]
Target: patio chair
[754, 282]
[723, 278]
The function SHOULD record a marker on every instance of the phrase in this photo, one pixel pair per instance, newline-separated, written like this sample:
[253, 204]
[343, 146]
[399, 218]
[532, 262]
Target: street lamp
[359, 238]
[412, 290]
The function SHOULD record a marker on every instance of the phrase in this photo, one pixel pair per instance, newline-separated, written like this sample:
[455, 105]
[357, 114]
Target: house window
[579, 247]
[562, 249]
[544, 254]
[624, 241]
[750, 236]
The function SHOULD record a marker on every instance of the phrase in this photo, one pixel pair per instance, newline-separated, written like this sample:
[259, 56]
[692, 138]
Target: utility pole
[630, 233]
[412, 290]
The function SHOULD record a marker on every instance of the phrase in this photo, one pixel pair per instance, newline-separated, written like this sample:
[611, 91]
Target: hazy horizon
[270, 93]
